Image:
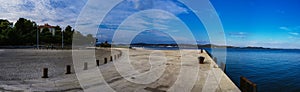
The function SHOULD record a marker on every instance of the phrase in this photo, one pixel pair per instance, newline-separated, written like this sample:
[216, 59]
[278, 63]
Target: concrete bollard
[111, 59]
[98, 62]
[223, 67]
[247, 85]
[105, 60]
[201, 60]
[215, 59]
[45, 73]
[85, 66]
[68, 69]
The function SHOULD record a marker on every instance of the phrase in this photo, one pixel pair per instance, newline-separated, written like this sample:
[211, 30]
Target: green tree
[105, 44]
[4, 29]
[68, 35]
[46, 36]
[58, 35]
[24, 32]
[90, 39]
[4, 24]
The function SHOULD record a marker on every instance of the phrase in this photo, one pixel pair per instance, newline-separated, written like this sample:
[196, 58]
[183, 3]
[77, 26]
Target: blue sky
[266, 23]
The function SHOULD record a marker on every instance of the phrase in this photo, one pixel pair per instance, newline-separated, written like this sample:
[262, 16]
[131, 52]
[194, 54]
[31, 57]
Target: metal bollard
[223, 67]
[45, 73]
[215, 59]
[68, 69]
[105, 60]
[201, 60]
[85, 66]
[201, 50]
[111, 59]
[246, 85]
[98, 62]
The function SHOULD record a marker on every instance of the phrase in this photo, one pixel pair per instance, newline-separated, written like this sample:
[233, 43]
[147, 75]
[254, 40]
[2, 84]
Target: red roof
[46, 26]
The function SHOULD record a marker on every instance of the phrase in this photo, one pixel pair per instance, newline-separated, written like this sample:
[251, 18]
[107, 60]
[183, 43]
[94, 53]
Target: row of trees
[24, 32]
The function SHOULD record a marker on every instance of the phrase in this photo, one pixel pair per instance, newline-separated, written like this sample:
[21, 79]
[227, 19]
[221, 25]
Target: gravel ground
[18, 64]
[24, 66]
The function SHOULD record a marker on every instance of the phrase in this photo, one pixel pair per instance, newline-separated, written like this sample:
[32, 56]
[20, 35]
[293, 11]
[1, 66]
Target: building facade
[51, 28]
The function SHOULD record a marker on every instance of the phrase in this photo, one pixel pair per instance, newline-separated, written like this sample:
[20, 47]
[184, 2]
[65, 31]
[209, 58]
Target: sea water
[273, 70]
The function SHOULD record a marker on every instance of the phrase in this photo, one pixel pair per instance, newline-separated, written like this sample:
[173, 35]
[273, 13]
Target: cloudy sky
[54, 12]
[267, 23]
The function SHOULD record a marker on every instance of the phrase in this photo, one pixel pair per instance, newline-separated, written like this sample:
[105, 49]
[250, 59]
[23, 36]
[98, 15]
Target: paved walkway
[138, 71]
[158, 71]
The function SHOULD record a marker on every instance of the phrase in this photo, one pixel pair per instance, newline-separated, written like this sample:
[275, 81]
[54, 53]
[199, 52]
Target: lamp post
[37, 38]
[62, 38]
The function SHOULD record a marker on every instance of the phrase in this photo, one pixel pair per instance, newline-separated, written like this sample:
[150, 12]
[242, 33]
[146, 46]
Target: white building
[51, 28]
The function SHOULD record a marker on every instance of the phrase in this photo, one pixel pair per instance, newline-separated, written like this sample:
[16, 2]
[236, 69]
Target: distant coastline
[199, 46]
[153, 46]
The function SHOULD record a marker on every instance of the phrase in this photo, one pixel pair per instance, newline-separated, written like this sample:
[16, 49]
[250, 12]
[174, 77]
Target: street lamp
[62, 38]
[37, 38]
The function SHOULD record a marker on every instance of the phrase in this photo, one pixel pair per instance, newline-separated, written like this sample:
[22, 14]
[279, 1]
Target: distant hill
[191, 45]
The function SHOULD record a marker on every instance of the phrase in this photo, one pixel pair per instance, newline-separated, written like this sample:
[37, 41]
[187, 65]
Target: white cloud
[146, 20]
[294, 33]
[64, 12]
[238, 34]
[285, 28]
[172, 6]
[157, 26]
[297, 28]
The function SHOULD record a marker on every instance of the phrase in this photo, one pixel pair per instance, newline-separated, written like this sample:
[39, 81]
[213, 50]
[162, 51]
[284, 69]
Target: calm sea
[272, 70]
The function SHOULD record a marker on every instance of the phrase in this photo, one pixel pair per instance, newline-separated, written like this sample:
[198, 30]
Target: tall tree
[5, 27]
[57, 37]
[24, 31]
[4, 24]
[90, 39]
[68, 35]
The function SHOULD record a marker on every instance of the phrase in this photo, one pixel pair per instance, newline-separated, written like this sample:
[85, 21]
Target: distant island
[190, 46]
